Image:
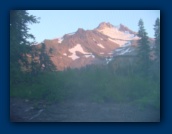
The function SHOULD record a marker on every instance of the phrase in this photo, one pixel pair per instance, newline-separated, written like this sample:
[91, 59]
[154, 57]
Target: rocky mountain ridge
[85, 47]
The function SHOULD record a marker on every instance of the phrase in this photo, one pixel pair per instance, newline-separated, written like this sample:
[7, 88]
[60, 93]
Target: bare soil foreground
[22, 110]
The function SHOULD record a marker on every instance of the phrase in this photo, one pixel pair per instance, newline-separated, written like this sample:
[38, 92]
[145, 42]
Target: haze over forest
[102, 72]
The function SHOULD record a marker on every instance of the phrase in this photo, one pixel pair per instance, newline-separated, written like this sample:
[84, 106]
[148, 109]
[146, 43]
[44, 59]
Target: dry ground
[22, 110]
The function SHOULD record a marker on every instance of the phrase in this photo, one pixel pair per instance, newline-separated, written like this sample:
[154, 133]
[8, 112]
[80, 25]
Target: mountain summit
[85, 47]
[105, 25]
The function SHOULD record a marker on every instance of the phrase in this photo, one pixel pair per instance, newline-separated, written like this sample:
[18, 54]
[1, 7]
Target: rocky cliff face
[85, 47]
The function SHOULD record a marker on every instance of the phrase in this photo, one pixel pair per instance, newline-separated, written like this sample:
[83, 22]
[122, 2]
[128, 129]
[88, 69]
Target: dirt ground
[23, 110]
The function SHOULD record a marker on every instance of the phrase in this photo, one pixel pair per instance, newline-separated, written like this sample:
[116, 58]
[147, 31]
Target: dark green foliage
[93, 83]
[155, 65]
[124, 65]
[45, 86]
[35, 67]
[19, 45]
[45, 62]
[157, 39]
[144, 50]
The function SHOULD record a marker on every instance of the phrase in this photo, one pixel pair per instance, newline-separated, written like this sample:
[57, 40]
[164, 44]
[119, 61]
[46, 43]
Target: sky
[56, 23]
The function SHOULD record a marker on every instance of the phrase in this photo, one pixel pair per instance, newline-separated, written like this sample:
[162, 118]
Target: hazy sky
[56, 23]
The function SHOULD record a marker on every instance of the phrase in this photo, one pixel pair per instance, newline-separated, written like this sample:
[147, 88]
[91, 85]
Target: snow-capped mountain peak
[104, 25]
[85, 47]
[120, 35]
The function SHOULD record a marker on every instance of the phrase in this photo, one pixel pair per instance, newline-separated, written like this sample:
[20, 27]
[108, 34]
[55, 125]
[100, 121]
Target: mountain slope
[85, 47]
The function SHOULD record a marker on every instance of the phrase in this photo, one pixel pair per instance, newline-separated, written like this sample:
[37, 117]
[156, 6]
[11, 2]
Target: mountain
[85, 47]
[125, 29]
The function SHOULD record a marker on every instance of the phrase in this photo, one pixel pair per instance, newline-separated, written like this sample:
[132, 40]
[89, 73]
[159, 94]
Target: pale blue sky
[56, 23]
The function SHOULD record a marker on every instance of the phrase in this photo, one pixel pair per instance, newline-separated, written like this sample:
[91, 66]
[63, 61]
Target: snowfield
[123, 50]
[119, 42]
[76, 48]
[91, 55]
[100, 45]
[117, 36]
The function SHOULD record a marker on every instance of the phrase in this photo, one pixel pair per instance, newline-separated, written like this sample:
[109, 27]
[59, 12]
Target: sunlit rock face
[85, 47]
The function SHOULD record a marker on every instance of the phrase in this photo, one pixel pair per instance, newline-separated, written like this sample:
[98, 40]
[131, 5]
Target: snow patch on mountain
[76, 48]
[115, 33]
[127, 32]
[124, 50]
[108, 60]
[60, 40]
[73, 56]
[87, 56]
[91, 55]
[117, 36]
[119, 42]
[100, 45]
[131, 36]
[127, 44]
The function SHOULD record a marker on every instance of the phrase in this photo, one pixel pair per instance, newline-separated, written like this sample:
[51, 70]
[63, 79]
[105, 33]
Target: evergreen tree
[156, 63]
[143, 43]
[45, 62]
[19, 45]
[157, 39]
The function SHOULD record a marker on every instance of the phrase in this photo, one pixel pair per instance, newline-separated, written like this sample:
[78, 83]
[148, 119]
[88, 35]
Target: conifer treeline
[20, 46]
[145, 62]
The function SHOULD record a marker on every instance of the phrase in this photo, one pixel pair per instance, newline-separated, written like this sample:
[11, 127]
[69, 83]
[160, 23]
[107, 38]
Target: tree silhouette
[19, 44]
[45, 61]
[143, 43]
[157, 39]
